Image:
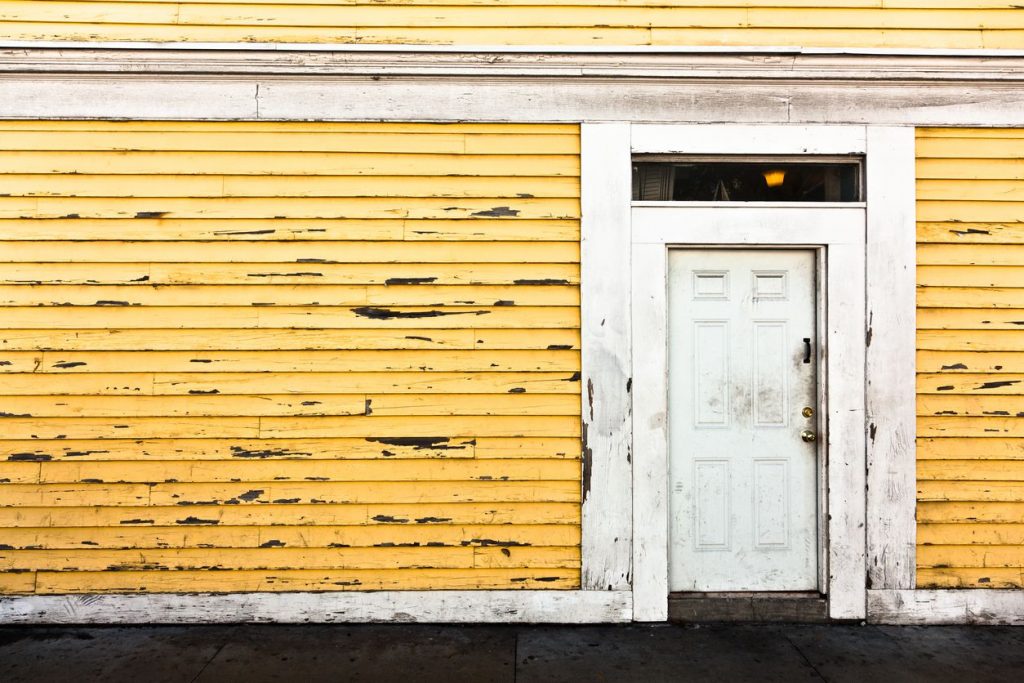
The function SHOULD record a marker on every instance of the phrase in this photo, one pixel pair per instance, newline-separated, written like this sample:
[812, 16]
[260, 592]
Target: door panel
[742, 369]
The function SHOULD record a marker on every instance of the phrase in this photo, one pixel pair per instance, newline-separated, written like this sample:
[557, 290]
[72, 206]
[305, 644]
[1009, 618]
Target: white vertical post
[846, 464]
[650, 434]
[605, 330]
[890, 339]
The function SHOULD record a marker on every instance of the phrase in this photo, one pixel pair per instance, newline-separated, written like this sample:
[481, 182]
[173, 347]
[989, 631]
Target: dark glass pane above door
[747, 181]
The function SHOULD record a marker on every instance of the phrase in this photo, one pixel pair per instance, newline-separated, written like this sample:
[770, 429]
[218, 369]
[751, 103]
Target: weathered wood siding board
[315, 357]
[849, 23]
[970, 362]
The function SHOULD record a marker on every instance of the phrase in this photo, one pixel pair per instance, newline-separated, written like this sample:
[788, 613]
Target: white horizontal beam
[564, 607]
[983, 606]
[213, 97]
[512, 49]
[748, 139]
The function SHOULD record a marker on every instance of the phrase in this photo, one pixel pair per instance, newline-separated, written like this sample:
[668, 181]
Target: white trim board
[455, 607]
[511, 49]
[891, 341]
[980, 606]
[432, 97]
[605, 334]
[804, 68]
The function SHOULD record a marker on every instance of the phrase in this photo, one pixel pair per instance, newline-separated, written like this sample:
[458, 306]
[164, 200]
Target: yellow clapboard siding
[963, 232]
[241, 450]
[969, 211]
[970, 362]
[960, 534]
[198, 496]
[970, 449]
[289, 273]
[987, 427]
[367, 141]
[304, 256]
[970, 513]
[391, 347]
[971, 169]
[968, 319]
[260, 470]
[1009, 556]
[970, 406]
[315, 317]
[970, 344]
[416, 514]
[980, 341]
[390, 557]
[469, 22]
[144, 384]
[295, 207]
[317, 356]
[970, 470]
[559, 357]
[291, 164]
[241, 581]
[20, 428]
[295, 295]
[213, 536]
[205, 405]
[970, 255]
[41, 185]
[969, 577]
[19, 582]
[970, 491]
[962, 189]
[977, 277]
[289, 229]
[301, 127]
[969, 297]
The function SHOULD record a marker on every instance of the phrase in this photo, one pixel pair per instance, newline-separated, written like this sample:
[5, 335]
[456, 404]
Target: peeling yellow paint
[849, 23]
[970, 358]
[308, 356]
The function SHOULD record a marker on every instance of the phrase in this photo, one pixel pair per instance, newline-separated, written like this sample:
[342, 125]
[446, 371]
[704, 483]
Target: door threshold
[784, 607]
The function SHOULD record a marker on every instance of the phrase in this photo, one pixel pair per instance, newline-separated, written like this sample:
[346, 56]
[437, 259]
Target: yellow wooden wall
[971, 358]
[824, 23]
[320, 356]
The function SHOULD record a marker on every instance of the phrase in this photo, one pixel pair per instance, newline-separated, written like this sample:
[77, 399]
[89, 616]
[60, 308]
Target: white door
[742, 420]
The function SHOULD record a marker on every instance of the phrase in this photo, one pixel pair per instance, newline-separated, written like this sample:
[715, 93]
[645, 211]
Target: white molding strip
[748, 139]
[511, 49]
[980, 606]
[650, 433]
[605, 331]
[699, 65]
[455, 607]
[891, 353]
[424, 98]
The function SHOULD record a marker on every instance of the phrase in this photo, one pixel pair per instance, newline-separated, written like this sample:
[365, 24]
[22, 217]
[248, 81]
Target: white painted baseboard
[970, 606]
[454, 607]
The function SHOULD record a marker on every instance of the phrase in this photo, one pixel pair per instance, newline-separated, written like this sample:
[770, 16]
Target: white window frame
[871, 334]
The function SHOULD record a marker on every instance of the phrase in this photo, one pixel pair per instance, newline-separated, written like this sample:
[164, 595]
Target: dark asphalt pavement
[512, 654]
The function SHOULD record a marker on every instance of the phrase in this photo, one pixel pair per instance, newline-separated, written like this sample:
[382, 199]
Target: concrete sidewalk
[519, 654]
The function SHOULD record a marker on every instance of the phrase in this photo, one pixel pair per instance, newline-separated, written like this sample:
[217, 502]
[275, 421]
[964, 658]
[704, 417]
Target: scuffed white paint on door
[741, 372]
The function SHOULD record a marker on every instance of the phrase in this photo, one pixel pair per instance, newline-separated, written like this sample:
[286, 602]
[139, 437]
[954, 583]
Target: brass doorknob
[808, 436]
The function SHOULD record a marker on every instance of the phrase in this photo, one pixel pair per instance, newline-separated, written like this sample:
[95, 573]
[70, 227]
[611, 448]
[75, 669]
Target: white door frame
[837, 233]
[870, 337]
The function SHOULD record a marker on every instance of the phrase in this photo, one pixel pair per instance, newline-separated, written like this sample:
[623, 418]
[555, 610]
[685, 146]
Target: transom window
[805, 179]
